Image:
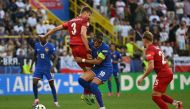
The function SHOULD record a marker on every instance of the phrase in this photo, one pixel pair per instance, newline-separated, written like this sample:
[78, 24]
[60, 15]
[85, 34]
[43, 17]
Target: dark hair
[99, 36]
[148, 36]
[86, 9]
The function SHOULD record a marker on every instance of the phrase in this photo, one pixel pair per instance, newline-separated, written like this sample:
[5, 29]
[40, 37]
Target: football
[40, 106]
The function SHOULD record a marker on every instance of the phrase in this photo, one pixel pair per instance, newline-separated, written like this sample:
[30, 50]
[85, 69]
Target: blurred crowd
[168, 20]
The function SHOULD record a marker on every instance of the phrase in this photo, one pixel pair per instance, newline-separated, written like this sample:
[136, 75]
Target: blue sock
[35, 90]
[94, 89]
[117, 84]
[83, 83]
[54, 93]
[109, 85]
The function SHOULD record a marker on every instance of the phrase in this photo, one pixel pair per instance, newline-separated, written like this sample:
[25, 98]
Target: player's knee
[155, 93]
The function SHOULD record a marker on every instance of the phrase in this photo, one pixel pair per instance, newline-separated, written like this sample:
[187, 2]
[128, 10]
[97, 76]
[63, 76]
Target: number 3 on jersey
[73, 25]
[163, 57]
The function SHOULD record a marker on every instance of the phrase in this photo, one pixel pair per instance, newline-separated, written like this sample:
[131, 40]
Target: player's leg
[95, 90]
[168, 99]
[84, 81]
[157, 98]
[36, 77]
[110, 86]
[102, 75]
[116, 77]
[50, 77]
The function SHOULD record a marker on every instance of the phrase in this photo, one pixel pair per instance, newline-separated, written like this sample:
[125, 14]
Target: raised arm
[50, 32]
[84, 37]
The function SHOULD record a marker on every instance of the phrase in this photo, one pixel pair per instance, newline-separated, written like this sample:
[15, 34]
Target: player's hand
[78, 59]
[140, 81]
[52, 70]
[89, 56]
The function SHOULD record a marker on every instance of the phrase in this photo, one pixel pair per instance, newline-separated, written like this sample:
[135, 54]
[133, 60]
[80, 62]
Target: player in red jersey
[157, 62]
[77, 28]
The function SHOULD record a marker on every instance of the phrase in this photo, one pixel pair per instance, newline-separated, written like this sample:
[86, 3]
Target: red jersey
[160, 64]
[74, 28]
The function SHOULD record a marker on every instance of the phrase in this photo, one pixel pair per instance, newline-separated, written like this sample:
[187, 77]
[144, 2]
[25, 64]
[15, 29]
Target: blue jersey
[44, 54]
[115, 56]
[104, 52]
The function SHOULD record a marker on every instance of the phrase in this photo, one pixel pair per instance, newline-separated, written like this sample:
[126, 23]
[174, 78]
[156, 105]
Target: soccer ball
[40, 106]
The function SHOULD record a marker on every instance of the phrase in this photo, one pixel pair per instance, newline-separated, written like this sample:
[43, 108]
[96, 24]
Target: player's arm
[84, 37]
[150, 58]
[96, 61]
[58, 28]
[33, 60]
[54, 59]
[149, 69]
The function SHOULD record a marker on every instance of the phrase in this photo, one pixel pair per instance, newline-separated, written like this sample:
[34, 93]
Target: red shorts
[80, 51]
[161, 83]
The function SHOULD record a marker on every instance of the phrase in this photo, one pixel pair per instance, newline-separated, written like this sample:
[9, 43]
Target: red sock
[86, 92]
[158, 100]
[167, 99]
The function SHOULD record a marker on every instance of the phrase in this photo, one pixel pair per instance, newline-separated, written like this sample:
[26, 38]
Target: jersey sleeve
[103, 53]
[65, 25]
[150, 55]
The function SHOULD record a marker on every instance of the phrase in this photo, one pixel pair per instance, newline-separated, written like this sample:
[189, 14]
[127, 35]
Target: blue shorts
[102, 74]
[39, 75]
[115, 72]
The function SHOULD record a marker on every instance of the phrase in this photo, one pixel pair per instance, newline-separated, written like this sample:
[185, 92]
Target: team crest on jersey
[46, 49]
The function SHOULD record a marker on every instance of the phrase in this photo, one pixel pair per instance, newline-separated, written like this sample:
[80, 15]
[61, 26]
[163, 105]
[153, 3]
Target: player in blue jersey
[44, 53]
[116, 57]
[101, 71]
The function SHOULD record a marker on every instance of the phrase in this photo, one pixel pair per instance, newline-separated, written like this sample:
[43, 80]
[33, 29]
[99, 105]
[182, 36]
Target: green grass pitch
[72, 101]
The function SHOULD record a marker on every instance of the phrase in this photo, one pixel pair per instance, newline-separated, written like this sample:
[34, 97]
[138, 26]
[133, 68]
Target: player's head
[86, 12]
[42, 38]
[147, 37]
[98, 38]
[112, 47]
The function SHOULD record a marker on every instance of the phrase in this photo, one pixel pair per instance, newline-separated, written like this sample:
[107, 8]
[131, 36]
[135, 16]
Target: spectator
[179, 8]
[2, 13]
[18, 28]
[32, 21]
[26, 67]
[169, 50]
[125, 28]
[120, 7]
[162, 7]
[104, 7]
[172, 32]
[41, 28]
[186, 20]
[20, 4]
[2, 49]
[148, 7]
[96, 5]
[187, 8]
[133, 9]
[154, 16]
[181, 36]
[140, 14]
